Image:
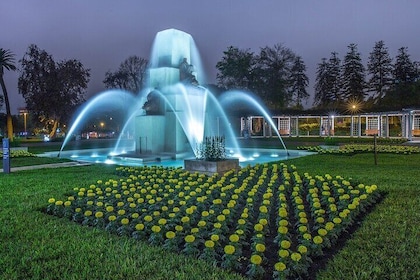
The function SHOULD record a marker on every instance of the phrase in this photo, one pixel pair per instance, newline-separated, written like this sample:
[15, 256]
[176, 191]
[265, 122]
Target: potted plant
[211, 157]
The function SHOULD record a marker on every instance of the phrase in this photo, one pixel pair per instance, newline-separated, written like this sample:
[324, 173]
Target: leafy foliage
[353, 81]
[7, 61]
[52, 90]
[130, 76]
[212, 148]
[380, 69]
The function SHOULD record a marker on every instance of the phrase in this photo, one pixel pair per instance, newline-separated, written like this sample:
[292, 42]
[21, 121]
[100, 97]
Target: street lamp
[24, 112]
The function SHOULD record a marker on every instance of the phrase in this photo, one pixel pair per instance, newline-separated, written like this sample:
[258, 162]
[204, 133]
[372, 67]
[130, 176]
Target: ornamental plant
[263, 219]
[211, 149]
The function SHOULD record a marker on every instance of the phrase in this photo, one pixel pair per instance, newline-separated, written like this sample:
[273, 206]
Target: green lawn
[34, 245]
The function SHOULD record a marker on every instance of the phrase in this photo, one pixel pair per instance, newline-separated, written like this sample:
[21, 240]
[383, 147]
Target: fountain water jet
[184, 111]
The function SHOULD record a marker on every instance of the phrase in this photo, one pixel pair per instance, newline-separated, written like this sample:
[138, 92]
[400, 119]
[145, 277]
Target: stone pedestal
[211, 167]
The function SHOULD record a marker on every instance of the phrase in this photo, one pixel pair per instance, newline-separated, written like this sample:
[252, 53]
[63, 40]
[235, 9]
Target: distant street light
[24, 112]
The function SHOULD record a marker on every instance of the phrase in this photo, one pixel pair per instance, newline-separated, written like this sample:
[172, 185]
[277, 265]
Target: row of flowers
[18, 153]
[352, 149]
[263, 219]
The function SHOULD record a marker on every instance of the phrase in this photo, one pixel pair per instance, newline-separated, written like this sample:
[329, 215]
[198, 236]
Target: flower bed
[263, 221]
[363, 148]
[18, 153]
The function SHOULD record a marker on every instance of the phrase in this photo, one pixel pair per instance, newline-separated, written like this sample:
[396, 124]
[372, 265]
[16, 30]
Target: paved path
[50, 165]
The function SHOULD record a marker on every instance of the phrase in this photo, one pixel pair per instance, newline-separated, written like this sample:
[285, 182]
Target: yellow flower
[99, 214]
[121, 212]
[320, 220]
[337, 220]
[283, 223]
[209, 244]
[135, 215]
[258, 227]
[318, 239]
[282, 230]
[204, 213]
[256, 259]
[139, 227]
[264, 222]
[112, 218]
[307, 236]
[214, 237]
[78, 210]
[285, 244]
[51, 200]
[329, 226]
[322, 232]
[155, 228]
[221, 218]
[148, 218]
[296, 257]
[67, 203]
[260, 248]
[263, 209]
[229, 249]
[162, 221]
[201, 223]
[194, 230]
[189, 238]
[234, 238]
[59, 203]
[302, 249]
[88, 213]
[120, 204]
[283, 253]
[125, 221]
[280, 266]
[178, 228]
[185, 219]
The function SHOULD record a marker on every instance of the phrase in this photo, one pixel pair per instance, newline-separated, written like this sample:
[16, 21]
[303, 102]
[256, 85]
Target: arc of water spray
[227, 96]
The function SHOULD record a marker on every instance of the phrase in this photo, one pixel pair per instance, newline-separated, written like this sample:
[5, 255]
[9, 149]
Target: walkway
[50, 165]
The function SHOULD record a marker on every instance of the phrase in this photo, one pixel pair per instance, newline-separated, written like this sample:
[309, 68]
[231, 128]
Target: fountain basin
[211, 167]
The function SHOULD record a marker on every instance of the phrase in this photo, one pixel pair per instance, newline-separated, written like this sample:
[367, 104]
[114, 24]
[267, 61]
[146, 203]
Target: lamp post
[24, 112]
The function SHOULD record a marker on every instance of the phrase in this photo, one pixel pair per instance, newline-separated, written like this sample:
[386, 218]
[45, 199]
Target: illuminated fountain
[171, 115]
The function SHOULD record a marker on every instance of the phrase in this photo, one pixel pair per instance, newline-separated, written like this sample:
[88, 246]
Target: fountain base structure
[211, 167]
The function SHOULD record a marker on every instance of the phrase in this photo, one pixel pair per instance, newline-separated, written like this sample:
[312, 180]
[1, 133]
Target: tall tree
[299, 82]
[274, 67]
[405, 71]
[323, 96]
[130, 75]
[380, 69]
[7, 61]
[353, 75]
[236, 69]
[334, 77]
[52, 90]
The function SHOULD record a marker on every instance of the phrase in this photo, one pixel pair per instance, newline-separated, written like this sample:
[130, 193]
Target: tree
[236, 69]
[380, 69]
[323, 96]
[334, 77]
[353, 75]
[299, 82]
[7, 60]
[405, 71]
[52, 90]
[130, 75]
[274, 71]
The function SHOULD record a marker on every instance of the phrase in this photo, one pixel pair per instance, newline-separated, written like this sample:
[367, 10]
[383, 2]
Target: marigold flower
[283, 253]
[280, 266]
[112, 218]
[88, 213]
[195, 230]
[162, 221]
[258, 227]
[256, 259]
[99, 214]
[221, 218]
[283, 223]
[226, 212]
[329, 226]
[67, 203]
[185, 219]
[209, 244]
[229, 249]
[155, 228]
[307, 236]
[139, 227]
[201, 223]
[78, 210]
[264, 222]
[234, 238]
[121, 212]
[318, 239]
[285, 244]
[322, 232]
[282, 230]
[189, 238]
[263, 209]
[148, 218]
[320, 220]
[217, 225]
[215, 237]
[51, 200]
[178, 228]
[170, 234]
[260, 247]
[302, 249]
[296, 257]
[337, 220]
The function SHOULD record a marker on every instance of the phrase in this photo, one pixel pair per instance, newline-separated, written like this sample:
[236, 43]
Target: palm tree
[7, 62]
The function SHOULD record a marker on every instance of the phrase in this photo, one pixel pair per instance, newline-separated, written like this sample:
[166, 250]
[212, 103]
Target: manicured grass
[38, 246]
